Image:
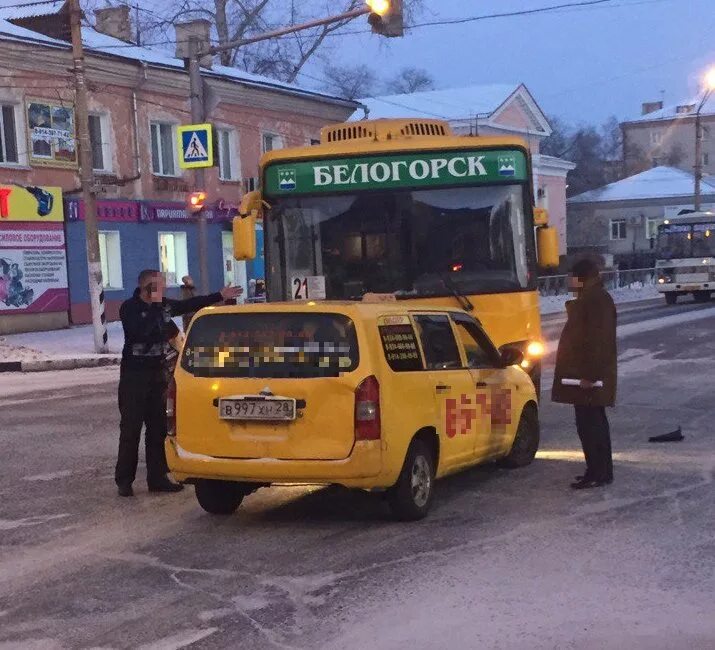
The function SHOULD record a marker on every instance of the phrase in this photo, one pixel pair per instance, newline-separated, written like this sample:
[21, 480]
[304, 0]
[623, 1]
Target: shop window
[99, 139]
[110, 256]
[163, 155]
[271, 141]
[173, 257]
[618, 229]
[229, 168]
[8, 135]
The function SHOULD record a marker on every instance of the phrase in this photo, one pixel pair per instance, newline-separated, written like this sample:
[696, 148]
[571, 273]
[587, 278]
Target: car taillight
[171, 409]
[367, 409]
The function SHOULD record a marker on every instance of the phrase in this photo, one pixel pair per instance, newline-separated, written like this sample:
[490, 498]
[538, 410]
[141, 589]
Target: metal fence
[556, 285]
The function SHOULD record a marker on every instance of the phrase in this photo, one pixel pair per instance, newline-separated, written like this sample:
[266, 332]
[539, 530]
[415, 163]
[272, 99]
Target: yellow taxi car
[365, 395]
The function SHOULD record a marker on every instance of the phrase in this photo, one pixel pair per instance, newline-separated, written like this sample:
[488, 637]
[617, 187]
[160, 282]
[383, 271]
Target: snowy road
[505, 560]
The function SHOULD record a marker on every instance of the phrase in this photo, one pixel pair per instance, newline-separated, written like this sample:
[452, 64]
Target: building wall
[667, 142]
[589, 225]
[554, 200]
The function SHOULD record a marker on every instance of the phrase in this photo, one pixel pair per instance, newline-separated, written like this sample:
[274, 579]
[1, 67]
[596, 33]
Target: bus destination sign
[396, 171]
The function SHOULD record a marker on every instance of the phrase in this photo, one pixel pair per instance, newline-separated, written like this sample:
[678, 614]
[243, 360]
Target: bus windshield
[409, 242]
[683, 240]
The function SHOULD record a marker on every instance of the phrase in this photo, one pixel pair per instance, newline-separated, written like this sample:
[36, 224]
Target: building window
[99, 139]
[163, 156]
[618, 229]
[271, 142]
[651, 227]
[8, 135]
[706, 159]
[229, 168]
[173, 257]
[110, 256]
[656, 137]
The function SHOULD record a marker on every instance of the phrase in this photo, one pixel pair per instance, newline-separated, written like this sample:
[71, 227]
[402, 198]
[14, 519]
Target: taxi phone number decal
[462, 412]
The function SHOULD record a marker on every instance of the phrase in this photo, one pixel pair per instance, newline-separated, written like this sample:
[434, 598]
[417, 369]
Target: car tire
[701, 296]
[671, 297]
[219, 497]
[410, 498]
[526, 442]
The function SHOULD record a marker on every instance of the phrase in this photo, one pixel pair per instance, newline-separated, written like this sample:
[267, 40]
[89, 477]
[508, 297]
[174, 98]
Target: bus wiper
[463, 301]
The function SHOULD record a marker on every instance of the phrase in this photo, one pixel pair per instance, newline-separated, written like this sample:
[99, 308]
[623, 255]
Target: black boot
[165, 485]
[587, 483]
[125, 490]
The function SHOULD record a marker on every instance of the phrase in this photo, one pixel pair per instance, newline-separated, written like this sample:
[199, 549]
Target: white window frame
[158, 122]
[276, 139]
[113, 279]
[620, 221]
[107, 165]
[649, 222]
[656, 137]
[234, 156]
[181, 266]
[18, 114]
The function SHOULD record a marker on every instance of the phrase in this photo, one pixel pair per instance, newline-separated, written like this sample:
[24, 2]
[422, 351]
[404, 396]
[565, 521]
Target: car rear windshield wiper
[463, 301]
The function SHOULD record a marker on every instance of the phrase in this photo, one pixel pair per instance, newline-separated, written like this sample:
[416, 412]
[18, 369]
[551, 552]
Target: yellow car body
[434, 376]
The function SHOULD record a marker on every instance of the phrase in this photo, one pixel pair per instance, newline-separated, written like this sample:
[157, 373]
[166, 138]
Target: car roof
[355, 309]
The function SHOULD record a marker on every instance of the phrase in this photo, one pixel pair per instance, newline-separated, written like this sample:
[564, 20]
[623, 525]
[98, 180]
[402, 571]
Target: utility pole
[197, 117]
[94, 266]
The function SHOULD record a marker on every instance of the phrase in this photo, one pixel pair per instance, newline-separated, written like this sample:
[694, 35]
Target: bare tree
[350, 82]
[410, 80]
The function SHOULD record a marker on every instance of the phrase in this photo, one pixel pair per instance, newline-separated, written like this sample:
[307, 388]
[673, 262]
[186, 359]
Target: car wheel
[411, 496]
[219, 497]
[702, 296]
[671, 297]
[526, 441]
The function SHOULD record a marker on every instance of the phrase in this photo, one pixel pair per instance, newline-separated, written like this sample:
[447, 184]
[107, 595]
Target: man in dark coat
[587, 357]
[147, 359]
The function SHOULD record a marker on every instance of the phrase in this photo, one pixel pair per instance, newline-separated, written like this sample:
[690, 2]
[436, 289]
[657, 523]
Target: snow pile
[632, 293]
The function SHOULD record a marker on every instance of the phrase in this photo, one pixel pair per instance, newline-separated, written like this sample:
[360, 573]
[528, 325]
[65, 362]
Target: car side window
[480, 351]
[440, 347]
[399, 343]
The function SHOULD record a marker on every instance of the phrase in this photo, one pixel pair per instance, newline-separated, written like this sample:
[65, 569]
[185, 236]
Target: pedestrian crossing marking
[196, 146]
[195, 150]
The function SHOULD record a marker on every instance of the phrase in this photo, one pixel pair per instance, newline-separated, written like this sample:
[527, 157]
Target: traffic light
[196, 202]
[386, 17]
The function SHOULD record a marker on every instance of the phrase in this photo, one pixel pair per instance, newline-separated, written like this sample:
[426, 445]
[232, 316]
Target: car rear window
[269, 345]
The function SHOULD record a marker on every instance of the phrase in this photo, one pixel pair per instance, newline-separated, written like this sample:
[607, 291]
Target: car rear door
[491, 384]
[254, 355]
[451, 386]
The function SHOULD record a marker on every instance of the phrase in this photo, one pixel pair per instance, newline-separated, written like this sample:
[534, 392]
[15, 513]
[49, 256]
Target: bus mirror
[547, 240]
[251, 202]
[244, 237]
[541, 217]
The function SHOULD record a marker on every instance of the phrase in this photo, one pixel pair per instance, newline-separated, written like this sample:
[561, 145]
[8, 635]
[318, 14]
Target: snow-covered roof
[449, 104]
[657, 183]
[681, 110]
[25, 9]
[98, 43]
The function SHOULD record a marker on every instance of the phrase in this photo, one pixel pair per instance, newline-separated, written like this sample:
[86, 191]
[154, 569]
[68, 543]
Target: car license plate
[690, 287]
[250, 408]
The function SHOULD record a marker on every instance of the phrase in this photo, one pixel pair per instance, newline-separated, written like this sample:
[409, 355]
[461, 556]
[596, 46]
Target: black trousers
[142, 401]
[595, 434]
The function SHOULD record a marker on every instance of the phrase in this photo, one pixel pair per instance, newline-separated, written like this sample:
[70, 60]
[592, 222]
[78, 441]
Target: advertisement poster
[52, 133]
[33, 263]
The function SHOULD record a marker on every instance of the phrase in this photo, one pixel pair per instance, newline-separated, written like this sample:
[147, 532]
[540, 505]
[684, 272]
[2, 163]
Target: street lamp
[709, 84]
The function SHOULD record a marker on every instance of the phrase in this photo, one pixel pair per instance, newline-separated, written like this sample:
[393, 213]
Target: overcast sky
[581, 64]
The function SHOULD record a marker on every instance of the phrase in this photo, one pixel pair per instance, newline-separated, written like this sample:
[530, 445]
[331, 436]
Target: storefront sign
[18, 203]
[401, 170]
[51, 128]
[33, 266]
[106, 210]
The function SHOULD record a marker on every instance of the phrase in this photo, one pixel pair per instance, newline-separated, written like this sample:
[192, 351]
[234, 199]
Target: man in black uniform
[147, 359]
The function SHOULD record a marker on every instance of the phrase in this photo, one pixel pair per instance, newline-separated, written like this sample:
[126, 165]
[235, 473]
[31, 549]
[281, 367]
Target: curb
[43, 365]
